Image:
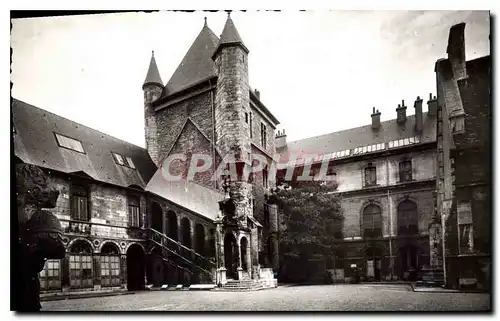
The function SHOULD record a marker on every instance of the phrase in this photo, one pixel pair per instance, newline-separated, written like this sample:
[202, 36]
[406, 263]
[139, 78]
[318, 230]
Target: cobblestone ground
[356, 297]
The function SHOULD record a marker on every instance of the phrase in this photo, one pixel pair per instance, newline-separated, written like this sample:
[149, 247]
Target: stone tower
[232, 103]
[152, 87]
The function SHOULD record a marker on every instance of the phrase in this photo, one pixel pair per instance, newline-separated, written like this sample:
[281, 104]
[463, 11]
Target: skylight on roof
[69, 143]
[122, 160]
[130, 163]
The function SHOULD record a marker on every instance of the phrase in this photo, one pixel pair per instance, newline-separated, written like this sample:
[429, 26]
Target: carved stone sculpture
[40, 232]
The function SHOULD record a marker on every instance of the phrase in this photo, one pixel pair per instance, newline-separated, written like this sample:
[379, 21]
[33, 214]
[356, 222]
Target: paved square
[356, 297]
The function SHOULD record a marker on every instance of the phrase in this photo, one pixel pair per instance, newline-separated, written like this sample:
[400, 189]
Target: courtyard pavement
[339, 297]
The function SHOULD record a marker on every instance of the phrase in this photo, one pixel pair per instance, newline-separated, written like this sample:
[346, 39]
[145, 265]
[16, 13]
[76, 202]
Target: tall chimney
[401, 113]
[375, 119]
[456, 51]
[280, 140]
[419, 121]
[432, 106]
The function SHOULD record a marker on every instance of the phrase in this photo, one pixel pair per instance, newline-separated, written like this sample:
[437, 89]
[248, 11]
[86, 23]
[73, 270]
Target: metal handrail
[180, 256]
[182, 246]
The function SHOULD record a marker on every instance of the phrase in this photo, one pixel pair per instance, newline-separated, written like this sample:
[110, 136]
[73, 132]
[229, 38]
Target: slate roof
[197, 64]
[360, 136]
[35, 143]
[197, 198]
[230, 35]
[153, 75]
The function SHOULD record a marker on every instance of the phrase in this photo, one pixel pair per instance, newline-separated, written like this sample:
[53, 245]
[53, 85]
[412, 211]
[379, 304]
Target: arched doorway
[244, 255]
[135, 267]
[172, 225]
[81, 265]
[199, 233]
[110, 265]
[373, 257]
[186, 232]
[407, 218]
[230, 255]
[407, 264]
[156, 217]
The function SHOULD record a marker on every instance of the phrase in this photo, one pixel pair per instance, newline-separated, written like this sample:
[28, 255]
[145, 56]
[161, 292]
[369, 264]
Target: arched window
[186, 232]
[372, 221]
[172, 225]
[80, 261]
[199, 233]
[110, 265]
[407, 218]
[156, 217]
[244, 256]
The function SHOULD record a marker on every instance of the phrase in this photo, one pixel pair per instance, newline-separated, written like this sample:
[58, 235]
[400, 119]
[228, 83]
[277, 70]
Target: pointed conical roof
[197, 64]
[153, 75]
[230, 36]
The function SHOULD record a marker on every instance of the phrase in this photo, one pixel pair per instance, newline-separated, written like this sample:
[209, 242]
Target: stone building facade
[464, 164]
[126, 224]
[384, 174]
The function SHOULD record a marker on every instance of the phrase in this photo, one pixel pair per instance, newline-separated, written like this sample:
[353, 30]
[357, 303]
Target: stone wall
[171, 119]
[151, 93]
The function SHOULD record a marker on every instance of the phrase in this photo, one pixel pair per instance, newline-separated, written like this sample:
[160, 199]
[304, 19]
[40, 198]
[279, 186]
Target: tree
[311, 218]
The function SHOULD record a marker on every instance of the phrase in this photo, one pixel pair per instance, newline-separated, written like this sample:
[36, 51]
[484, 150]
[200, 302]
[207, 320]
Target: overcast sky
[317, 71]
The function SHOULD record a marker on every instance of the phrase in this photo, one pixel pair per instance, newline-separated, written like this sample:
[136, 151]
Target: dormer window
[124, 161]
[69, 143]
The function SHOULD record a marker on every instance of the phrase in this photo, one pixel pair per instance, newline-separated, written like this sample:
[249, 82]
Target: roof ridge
[74, 122]
[352, 128]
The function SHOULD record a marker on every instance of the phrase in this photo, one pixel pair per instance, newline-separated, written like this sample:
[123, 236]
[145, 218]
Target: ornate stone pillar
[220, 278]
[239, 269]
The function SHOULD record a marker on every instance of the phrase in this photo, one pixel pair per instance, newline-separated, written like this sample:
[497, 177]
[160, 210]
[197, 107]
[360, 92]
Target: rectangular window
[405, 171]
[347, 152]
[246, 118]
[110, 270]
[50, 277]
[370, 175]
[134, 211]
[265, 178]
[80, 271]
[251, 127]
[263, 135]
[79, 203]
[69, 143]
[466, 238]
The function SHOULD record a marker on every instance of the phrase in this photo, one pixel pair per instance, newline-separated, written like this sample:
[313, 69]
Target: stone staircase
[431, 278]
[248, 285]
